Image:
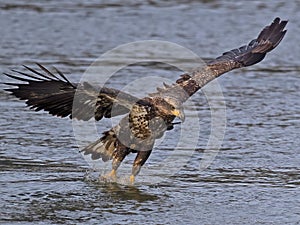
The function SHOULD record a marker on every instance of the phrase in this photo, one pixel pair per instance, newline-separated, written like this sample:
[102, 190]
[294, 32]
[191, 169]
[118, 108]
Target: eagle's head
[170, 107]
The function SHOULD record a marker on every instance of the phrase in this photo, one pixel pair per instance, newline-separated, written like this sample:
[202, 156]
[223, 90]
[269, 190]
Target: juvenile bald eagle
[145, 119]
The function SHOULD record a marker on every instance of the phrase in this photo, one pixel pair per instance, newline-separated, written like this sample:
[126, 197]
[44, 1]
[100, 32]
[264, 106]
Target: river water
[255, 176]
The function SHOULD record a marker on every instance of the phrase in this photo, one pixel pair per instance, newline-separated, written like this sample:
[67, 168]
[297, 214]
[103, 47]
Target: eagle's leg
[121, 153]
[112, 175]
[139, 161]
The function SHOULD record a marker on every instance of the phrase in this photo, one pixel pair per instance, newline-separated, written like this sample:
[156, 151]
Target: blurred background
[253, 180]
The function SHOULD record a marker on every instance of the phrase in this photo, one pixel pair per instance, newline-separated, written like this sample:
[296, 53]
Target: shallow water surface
[255, 177]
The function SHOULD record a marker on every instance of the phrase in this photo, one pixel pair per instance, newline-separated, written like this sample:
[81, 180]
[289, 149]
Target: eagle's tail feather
[103, 148]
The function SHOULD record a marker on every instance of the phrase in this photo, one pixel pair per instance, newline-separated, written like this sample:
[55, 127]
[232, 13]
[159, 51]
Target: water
[253, 180]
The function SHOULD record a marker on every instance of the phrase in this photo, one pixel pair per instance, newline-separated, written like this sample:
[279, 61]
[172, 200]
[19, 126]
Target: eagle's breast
[139, 118]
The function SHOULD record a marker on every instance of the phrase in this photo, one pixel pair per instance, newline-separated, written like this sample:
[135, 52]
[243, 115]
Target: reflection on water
[253, 180]
[120, 193]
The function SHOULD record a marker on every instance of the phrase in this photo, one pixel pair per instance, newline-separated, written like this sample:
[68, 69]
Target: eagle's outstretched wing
[246, 55]
[44, 90]
[252, 53]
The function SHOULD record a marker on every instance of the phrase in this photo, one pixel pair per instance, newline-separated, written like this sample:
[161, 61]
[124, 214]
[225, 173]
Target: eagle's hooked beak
[179, 113]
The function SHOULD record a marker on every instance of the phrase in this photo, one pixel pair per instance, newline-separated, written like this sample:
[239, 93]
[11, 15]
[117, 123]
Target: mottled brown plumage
[145, 119]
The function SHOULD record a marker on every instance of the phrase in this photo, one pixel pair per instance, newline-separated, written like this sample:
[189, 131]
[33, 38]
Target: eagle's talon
[131, 179]
[111, 176]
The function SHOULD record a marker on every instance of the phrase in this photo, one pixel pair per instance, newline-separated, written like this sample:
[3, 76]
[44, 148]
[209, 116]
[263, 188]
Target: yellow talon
[111, 176]
[132, 178]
